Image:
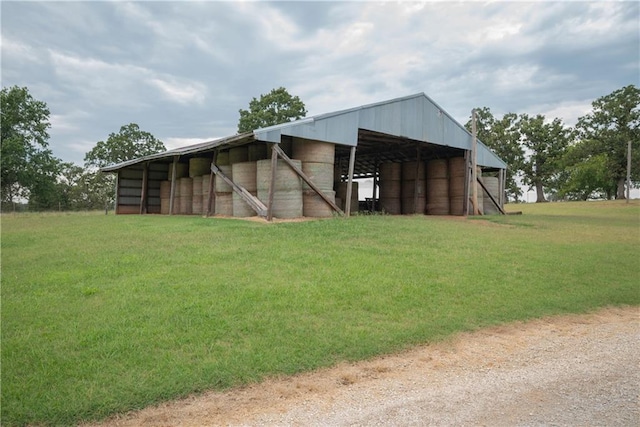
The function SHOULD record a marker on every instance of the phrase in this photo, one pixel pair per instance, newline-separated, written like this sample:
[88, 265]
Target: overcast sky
[182, 70]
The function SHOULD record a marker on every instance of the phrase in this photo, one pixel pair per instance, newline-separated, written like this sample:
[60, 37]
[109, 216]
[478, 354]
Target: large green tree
[546, 144]
[502, 135]
[29, 169]
[278, 106]
[129, 143]
[607, 130]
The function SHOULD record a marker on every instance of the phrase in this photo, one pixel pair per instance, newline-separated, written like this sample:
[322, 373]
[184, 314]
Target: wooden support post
[143, 193]
[117, 195]
[375, 186]
[172, 196]
[272, 183]
[352, 163]
[628, 170]
[415, 187]
[211, 200]
[467, 168]
[502, 185]
[474, 164]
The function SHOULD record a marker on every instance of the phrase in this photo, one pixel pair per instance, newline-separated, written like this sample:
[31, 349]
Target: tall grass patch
[102, 314]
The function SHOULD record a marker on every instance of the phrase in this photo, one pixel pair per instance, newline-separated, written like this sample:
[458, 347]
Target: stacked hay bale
[185, 196]
[391, 188]
[413, 182]
[165, 195]
[317, 162]
[196, 198]
[224, 193]
[457, 169]
[437, 187]
[287, 195]
[244, 175]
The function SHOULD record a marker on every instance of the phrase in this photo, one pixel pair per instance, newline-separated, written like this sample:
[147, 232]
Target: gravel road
[561, 371]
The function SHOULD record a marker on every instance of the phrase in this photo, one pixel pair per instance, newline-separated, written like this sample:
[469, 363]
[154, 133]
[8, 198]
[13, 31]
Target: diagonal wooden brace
[490, 196]
[251, 200]
[306, 179]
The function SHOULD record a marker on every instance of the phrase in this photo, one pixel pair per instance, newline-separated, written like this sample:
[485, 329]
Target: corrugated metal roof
[416, 117]
[230, 141]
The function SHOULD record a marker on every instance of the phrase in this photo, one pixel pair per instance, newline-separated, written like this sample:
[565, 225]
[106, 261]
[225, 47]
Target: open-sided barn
[420, 159]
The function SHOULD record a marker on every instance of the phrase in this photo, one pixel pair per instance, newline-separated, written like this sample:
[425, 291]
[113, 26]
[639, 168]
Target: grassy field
[102, 314]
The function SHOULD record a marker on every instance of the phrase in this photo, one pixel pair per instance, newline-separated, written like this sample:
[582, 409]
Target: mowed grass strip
[102, 314]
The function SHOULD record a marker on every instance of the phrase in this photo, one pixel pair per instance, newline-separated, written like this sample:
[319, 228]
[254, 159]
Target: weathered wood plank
[491, 197]
[172, 196]
[352, 162]
[272, 183]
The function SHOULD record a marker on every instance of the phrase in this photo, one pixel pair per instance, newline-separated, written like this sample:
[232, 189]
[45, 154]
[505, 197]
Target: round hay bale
[224, 204]
[307, 150]
[165, 194]
[244, 174]
[186, 196]
[457, 166]
[390, 172]
[286, 178]
[438, 196]
[321, 174]
[287, 191]
[409, 171]
[391, 205]
[238, 154]
[196, 201]
[411, 205]
[390, 189]
[165, 189]
[198, 166]
[437, 168]
[221, 185]
[456, 205]
[314, 206]
[286, 203]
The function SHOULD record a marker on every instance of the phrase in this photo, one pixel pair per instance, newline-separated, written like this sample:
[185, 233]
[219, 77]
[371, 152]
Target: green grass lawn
[102, 314]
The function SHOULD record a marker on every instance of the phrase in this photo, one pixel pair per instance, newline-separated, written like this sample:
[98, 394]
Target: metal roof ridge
[373, 104]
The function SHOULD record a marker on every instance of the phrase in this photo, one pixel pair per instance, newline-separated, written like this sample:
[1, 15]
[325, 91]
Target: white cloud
[15, 50]
[182, 92]
[177, 142]
[118, 84]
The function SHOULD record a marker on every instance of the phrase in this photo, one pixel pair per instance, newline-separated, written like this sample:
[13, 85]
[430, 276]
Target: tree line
[564, 163]
[560, 162]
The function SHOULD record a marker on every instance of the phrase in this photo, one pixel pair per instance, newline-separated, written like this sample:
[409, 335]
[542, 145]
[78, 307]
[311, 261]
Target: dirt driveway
[560, 371]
